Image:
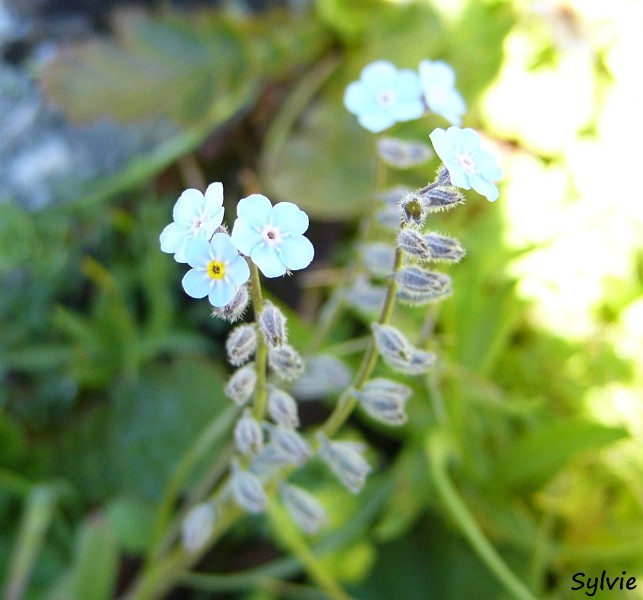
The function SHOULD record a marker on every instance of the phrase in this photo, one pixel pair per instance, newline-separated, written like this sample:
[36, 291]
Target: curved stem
[436, 455]
[202, 445]
[346, 403]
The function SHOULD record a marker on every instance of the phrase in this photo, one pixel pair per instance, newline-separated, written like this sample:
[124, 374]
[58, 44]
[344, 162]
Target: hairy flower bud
[282, 408]
[233, 311]
[272, 324]
[288, 447]
[440, 198]
[248, 435]
[414, 209]
[197, 526]
[402, 154]
[247, 490]
[442, 177]
[285, 361]
[304, 509]
[414, 244]
[398, 353]
[241, 344]
[324, 374]
[384, 400]
[241, 384]
[345, 460]
[444, 248]
[418, 280]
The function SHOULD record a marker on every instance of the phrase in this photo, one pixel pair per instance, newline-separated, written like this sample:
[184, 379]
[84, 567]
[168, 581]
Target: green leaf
[170, 66]
[133, 442]
[327, 167]
[96, 565]
[131, 520]
[539, 454]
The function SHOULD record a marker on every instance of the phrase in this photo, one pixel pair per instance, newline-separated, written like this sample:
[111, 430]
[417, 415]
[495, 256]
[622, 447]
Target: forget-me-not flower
[217, 269]
[195, 216]
[438, 84]
[272, 236]
[469, 165]
[384, 95]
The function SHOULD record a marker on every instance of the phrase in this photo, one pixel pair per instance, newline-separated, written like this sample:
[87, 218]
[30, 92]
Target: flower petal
[196, 283]
[378, 74]
[237, 271]
[222, 248]
[357, 98]
[173, 237]
[221, 293]
[376, 121]
[484, 187]
[213, 197]
[297, 252]
[256, 209]
[188, 207]
[245, 236]
[289, 218]
[267, 259]
[197, 252]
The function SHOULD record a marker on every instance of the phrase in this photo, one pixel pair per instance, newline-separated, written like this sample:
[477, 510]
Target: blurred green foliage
[109, 373]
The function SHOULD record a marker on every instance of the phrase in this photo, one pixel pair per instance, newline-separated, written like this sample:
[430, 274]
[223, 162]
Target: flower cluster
[271, 236]
[385, 95]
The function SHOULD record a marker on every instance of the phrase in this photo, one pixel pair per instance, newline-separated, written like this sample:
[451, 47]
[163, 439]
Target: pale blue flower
[195, 215]
[217, 269]
[272, 236]
[384, 95]
[438, 84]
[469, 165]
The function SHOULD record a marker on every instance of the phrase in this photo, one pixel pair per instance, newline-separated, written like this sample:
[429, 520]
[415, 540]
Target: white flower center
[197, 225]
[467, 164]
[271, 235]
[386, 98]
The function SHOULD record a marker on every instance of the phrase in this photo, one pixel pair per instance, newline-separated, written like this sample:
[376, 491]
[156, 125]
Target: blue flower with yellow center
[217, 269]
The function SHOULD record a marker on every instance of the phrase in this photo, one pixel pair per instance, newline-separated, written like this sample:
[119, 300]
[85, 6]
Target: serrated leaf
[541, 453]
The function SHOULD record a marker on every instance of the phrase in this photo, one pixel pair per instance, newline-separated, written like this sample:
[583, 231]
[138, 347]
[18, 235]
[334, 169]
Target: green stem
[292, 539]
[261, 356]
[38, 514]
[346, 403]
[436, 455]
[201, 446]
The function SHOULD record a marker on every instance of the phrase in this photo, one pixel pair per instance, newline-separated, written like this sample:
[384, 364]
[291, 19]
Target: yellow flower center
[216, 269]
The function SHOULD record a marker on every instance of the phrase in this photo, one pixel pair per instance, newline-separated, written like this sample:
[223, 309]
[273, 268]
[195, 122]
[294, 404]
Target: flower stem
[261, 389]
[436, 455]
[291, 538]
[347, 401]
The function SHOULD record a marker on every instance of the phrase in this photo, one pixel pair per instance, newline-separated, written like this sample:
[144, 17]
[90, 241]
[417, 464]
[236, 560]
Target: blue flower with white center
[438, 84]
[217, 269]
[384, 95]
[469, 165]
[195, 216]
[272, 236]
